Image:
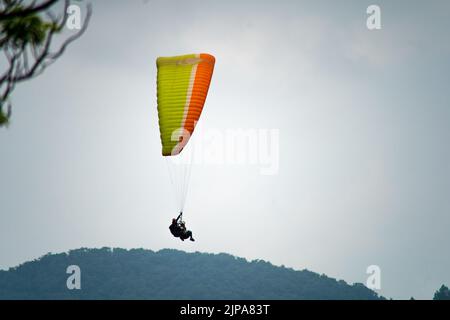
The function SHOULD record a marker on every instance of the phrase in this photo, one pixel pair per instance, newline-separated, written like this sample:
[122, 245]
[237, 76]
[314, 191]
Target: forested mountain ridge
[167, 274]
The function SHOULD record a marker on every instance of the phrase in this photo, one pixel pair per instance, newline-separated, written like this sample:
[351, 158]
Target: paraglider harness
[180, 221]
[178, 229]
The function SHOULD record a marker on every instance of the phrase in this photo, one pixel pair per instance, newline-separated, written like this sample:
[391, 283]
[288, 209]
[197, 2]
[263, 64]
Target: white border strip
[189, 92]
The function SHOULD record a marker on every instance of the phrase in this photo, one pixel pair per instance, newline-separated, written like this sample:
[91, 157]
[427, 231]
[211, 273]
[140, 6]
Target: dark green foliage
[4, 119]
[27, 30]
[20, 32]
[168, 274]
[442, 294]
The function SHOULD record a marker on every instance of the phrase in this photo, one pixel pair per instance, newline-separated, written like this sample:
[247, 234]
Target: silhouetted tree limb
[10, 8]
[26, 36]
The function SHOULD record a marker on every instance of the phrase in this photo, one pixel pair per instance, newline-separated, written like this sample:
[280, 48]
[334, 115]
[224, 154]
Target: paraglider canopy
[182, 86]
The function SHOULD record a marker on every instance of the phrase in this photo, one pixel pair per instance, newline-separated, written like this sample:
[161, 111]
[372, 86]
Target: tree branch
[26, 55]
[13, 12]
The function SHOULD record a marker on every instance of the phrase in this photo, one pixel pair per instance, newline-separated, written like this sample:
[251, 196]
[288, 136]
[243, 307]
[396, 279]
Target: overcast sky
[363, 139]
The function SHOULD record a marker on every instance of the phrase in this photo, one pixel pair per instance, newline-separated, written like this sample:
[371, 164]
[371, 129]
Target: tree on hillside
[27, 29]
[442, 294]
